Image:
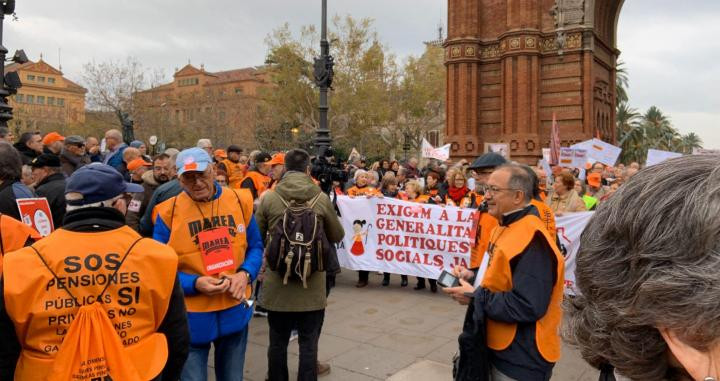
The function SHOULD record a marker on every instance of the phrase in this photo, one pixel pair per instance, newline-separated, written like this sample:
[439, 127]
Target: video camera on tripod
[326, 170]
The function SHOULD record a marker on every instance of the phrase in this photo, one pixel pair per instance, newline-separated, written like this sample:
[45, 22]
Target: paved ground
[387, 333]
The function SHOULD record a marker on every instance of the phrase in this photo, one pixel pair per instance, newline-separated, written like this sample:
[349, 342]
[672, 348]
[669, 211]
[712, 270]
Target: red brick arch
[509, 71]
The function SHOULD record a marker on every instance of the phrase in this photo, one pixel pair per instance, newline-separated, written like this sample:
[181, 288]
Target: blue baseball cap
[98, 182]
[192, 159]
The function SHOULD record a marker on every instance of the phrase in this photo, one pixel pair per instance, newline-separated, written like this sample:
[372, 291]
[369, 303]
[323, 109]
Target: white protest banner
[598, 150]
[705, 151]
[400, 237]
[354, 155]
[566, 157]
[579, 158]
[439, 153]
[655, 156]
[546, 155]
[569, 228]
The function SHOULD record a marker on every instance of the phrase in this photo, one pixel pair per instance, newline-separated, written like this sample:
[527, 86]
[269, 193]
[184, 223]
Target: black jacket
[27, 154]
[53, 188]
[174, 326]
[70, 163]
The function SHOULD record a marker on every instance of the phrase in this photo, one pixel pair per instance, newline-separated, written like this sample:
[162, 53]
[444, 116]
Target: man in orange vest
[257, 180]
[233, 166]
[520, 284]
[46, 284]
[220, 251]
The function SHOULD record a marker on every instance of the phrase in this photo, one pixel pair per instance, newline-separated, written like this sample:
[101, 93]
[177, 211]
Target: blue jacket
[115, 158]
[208, 326]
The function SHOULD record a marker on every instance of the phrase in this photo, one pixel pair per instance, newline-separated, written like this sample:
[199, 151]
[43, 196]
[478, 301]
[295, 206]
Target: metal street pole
[6, 8]
[323, 79]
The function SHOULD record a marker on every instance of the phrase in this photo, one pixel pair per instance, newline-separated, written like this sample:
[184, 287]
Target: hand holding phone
[447, 279]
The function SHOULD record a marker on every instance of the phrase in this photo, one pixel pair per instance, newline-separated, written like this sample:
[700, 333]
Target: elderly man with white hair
[206, 144]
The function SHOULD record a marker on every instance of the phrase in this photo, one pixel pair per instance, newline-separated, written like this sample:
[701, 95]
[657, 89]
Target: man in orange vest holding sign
[257, 180]
[93, 300]
[214, 233]
[520, 284]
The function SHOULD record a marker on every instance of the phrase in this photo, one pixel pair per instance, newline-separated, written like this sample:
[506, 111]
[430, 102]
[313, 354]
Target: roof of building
[43, 67]
[214, 78]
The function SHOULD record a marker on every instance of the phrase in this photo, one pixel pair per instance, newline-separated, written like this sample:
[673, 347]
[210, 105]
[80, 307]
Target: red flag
[554, 142]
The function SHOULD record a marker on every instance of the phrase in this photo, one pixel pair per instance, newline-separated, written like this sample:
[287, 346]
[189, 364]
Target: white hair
[74, 196]
[203, 143]
[359, 173]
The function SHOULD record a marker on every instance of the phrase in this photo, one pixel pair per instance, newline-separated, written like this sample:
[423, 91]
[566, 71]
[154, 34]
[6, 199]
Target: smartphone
[447, 279]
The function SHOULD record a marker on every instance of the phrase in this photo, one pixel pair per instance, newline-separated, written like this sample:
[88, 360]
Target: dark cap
[234, 148]
[262, 157]
[45, 160]
[74, 140]
[98, 182]
[488, 160]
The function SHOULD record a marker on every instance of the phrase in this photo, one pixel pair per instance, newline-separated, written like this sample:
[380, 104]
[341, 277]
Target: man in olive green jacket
[292, 306]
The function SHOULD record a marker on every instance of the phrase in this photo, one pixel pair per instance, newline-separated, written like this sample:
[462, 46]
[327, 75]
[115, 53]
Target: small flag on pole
[554, 142]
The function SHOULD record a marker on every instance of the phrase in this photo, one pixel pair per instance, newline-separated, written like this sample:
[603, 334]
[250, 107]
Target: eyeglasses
[494, 189]
[193, 177]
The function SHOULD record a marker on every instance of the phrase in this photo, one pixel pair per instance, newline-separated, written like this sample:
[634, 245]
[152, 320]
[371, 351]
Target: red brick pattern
[506, 75]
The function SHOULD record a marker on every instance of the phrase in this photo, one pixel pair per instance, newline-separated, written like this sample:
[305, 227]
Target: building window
[433, 137]
[41, 79]
[41, 100]
[51, 101]
[221, 115]
[51, 80]
[30, 77]
[188, 82]
[61, 101]
[30, 99]
[19, 98]
[238, 90]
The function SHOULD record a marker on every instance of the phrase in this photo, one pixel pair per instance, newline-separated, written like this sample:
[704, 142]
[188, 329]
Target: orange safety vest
[364, 191]
[136, 302]
[507, 242]
[547, 216]
[260, 181]
[236, 172]
[186, 218]
[485, 227]
[13, 236]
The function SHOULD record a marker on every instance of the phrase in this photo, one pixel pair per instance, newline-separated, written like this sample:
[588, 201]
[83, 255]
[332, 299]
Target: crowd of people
[182, 238]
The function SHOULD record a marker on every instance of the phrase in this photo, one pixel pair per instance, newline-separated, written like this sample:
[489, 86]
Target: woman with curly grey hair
[648, 270]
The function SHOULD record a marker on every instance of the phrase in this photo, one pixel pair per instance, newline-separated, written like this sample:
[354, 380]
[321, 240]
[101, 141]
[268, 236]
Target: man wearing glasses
[220, 251]
[73, 155]
[481, 169]
[519, 286]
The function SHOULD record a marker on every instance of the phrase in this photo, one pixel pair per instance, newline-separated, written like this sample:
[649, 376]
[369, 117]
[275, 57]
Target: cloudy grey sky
[670, 48]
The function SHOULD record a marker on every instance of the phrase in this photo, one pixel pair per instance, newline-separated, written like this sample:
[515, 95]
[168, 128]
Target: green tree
[622, 83]
[689, 142]
[631, 134]
[374, 102]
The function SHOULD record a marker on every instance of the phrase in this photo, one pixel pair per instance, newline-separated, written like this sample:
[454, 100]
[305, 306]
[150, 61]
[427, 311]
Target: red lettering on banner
[444, 216]
[410, 257]
[415, 211]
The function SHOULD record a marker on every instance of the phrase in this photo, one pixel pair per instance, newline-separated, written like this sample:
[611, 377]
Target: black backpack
[298, 246]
